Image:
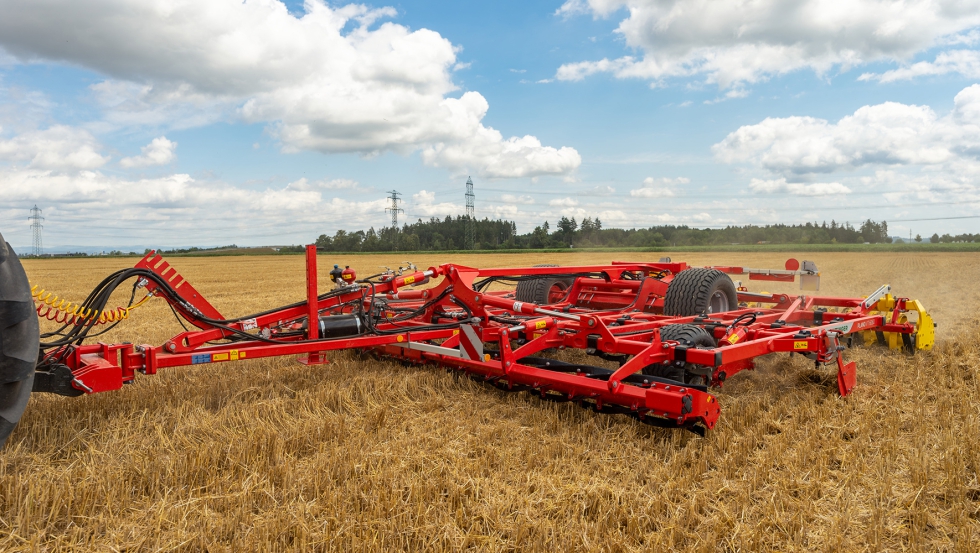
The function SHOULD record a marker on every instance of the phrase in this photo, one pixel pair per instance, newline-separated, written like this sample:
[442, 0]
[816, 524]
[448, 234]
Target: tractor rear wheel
[19, 340]
[687, 373]
[543, 291]
[699, 292]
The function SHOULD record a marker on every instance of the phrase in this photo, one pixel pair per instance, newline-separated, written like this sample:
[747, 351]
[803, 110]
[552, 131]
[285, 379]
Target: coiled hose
[62, 311]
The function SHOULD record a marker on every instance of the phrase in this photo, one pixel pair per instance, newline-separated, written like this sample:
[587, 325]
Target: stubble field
[365, 455]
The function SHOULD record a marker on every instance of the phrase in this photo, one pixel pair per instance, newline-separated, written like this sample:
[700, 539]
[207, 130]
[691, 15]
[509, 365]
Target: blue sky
[204, 123]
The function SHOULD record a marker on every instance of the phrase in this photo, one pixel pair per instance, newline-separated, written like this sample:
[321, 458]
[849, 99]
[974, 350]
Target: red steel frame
[605, 314]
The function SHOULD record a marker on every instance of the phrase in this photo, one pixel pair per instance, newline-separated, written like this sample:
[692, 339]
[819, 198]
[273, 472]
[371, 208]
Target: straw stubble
[370, 455]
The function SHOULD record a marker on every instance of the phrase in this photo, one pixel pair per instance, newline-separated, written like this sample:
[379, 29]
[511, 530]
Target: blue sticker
[200, 358]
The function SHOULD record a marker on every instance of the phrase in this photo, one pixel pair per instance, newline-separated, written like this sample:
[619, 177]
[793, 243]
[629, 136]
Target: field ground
[368, 455]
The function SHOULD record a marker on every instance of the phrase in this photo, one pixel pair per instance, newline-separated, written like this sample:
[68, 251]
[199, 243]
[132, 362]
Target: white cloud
[969, 38]
[512, 199]
[59, 147]
[572, 7]
[158, 152]
[659, 188]
[173, 207]
[727, 43]
[424, 204]
[911, 151]
[333, 80]
[602, 190]
[797, 188]
[486, 153]
[885, 134]
[964, 62]
[563, 202]
[304, 185]
[128, 104]
[58, 169]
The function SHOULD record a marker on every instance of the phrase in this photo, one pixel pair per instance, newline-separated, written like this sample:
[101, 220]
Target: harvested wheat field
[362, 455]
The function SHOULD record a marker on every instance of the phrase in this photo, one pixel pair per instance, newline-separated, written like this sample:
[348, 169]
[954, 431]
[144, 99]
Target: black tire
[699, 292]
[687, 373]
[542, 291]
[19, 340]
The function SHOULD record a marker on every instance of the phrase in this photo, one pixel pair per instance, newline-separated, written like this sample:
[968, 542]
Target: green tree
[566, 229]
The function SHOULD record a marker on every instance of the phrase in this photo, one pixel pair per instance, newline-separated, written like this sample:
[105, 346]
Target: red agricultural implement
[666, 332]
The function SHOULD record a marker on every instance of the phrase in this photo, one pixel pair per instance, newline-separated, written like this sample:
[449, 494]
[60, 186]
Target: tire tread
[19, 340]
[690, 291]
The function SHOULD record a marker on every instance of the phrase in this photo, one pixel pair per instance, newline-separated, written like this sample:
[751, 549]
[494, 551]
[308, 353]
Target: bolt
[591, 322]
[615, 384]
[171, 347]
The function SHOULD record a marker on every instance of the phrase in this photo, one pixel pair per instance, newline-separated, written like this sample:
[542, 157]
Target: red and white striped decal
[470, 343]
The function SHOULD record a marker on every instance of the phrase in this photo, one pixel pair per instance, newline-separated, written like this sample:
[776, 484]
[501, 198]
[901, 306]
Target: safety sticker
[733, 338]
[470, 343]
[200, 358]
[409, 279]
[800, 345]
[540, 324]
[249, 324]
[219, 357]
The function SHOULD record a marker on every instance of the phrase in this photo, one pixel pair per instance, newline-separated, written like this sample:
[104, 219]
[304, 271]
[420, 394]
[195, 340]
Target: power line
[936, 219]
[709, 208]
[712, 195]
[36, 227]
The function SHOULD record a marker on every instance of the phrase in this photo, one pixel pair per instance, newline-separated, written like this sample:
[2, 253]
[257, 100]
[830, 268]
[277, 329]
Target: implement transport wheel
[543, 291]
[19, 340]
[699, 292]
[688, 373]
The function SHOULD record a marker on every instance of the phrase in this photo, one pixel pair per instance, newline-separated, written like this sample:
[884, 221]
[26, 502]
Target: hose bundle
[65, 312]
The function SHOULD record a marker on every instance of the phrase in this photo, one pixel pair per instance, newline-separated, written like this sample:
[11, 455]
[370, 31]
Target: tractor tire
[699, 292]
[686, 373]
[544, 290]
[19, 340]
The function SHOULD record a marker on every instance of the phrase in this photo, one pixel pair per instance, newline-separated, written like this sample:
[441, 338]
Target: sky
[259, 122]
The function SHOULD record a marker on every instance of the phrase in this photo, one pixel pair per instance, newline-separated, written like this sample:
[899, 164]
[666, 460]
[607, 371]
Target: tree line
[450, 233]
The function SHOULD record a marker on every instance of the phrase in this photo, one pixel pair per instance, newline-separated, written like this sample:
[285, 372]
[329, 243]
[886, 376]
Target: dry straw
[366, 455]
